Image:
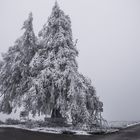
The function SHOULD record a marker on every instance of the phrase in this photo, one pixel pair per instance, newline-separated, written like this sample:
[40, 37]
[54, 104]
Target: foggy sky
[108, 33]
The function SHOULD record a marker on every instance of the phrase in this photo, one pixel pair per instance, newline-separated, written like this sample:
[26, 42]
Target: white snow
[16, 116]
[46, 129]
[122, 124]
[4, 117]
[133, 124]
[81, 133]
[59, 130]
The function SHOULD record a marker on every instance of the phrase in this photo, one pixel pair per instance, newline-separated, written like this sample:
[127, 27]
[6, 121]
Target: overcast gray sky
[108, 33]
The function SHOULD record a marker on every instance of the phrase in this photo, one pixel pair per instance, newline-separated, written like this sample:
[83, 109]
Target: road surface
[132, 133]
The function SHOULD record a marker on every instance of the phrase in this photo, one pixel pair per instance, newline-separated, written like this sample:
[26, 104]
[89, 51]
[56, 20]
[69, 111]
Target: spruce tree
[61, 65]
[15, 71]
[59, 89]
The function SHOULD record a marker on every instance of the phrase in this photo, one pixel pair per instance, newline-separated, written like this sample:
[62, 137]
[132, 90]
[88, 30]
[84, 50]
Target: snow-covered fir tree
[56, 62]
[15, 71]
[61, 90]
[42, 75]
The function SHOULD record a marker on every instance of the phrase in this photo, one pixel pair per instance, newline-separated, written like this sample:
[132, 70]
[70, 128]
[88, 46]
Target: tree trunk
[56, 113]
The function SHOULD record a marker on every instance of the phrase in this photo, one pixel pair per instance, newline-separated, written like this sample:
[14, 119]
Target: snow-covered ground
[15, 115]
[122, 124]
[48, 130]
[133, 124]
[63, 130]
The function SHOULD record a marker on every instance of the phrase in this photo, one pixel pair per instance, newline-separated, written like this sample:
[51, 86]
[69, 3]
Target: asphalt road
[132, 133]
